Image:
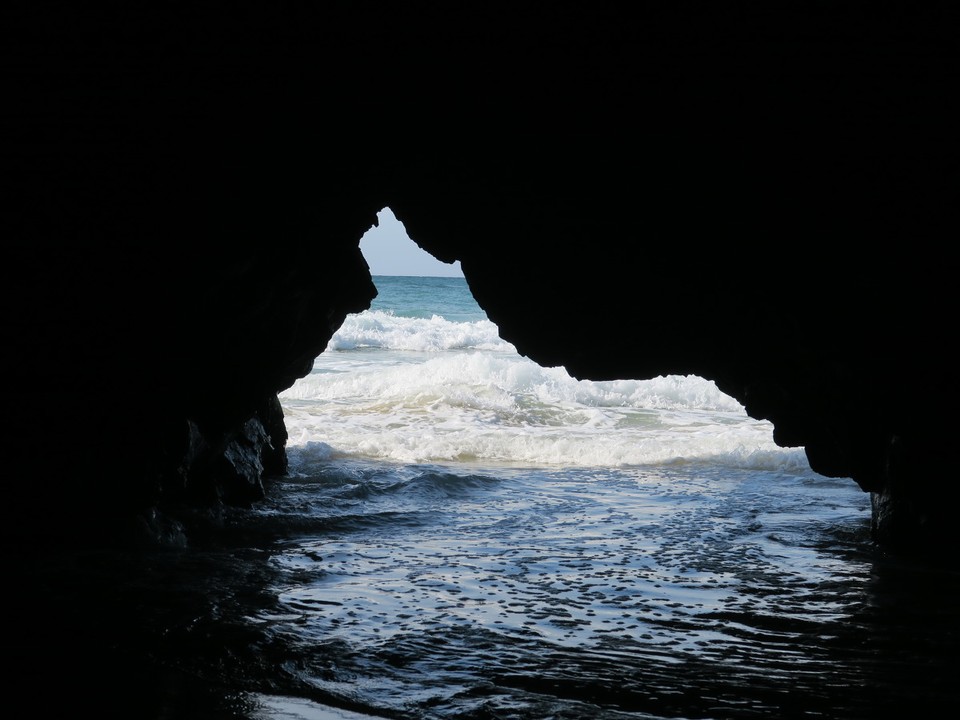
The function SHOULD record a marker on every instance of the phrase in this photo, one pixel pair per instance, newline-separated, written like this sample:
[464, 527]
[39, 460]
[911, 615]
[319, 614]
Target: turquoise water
[424, 297]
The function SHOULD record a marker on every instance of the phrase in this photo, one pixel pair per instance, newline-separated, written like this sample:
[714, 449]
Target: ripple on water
[583, 600]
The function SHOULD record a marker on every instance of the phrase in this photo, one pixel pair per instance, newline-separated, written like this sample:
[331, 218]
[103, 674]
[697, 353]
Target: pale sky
[389, 251]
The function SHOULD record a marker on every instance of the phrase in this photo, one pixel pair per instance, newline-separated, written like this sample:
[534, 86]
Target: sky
[389, 251]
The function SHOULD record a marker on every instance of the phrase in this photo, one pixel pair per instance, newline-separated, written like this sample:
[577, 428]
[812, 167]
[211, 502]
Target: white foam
[425, 390]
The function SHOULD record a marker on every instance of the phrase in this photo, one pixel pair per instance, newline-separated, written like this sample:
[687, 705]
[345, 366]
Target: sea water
[466, 534]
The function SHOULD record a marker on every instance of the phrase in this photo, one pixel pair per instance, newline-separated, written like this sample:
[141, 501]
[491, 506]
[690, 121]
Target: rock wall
[765, 195]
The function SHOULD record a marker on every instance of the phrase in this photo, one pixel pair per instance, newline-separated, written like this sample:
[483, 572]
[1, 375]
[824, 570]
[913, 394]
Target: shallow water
[689, 592]
[466, 535]
[458, 592]
[431, 592]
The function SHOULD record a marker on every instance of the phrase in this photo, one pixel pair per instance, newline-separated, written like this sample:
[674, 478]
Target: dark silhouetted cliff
[187, 188]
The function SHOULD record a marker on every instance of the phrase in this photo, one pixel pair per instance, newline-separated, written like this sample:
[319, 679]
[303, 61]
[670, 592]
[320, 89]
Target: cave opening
[424, 376]
[461, 516]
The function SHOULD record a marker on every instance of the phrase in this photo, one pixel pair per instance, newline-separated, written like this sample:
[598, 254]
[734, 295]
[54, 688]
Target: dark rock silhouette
[763, 196]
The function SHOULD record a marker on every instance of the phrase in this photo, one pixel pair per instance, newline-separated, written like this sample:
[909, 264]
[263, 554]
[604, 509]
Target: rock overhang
[207, 213]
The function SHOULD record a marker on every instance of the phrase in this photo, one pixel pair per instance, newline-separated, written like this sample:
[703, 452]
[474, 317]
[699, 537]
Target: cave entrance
[423, 376]
[454, 505]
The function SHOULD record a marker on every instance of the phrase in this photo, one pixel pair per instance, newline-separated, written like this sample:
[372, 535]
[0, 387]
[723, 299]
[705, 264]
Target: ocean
[465, 534]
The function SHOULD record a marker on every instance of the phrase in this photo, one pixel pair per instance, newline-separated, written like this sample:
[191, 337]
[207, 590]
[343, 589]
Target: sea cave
[189, 190]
